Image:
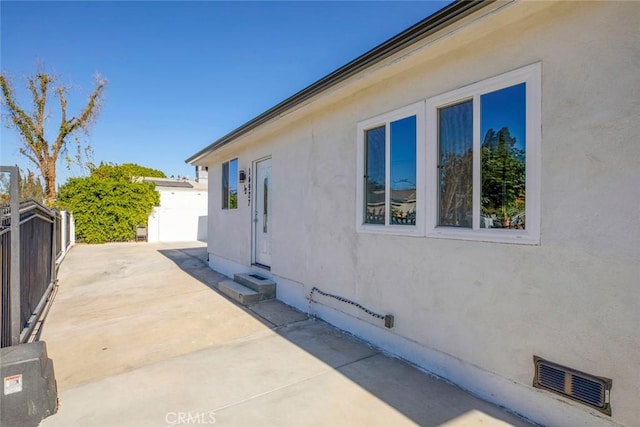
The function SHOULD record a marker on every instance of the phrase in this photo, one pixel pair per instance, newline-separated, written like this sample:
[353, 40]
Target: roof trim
[433, 23]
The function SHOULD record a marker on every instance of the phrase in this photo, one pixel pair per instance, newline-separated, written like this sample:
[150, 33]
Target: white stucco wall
[475, 312]
[181, 216]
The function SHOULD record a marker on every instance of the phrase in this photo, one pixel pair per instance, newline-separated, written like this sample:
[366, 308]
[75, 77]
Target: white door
[262, 213]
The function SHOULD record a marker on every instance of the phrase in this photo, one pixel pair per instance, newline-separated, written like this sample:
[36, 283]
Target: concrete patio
[139, 337]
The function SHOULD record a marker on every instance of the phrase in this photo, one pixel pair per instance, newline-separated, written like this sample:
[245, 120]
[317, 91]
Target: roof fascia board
[428, 26]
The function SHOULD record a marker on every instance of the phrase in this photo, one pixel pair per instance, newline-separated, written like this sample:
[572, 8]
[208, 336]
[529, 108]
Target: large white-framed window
[230, 184]
[461, 165]
[390, 191]
[483, 160]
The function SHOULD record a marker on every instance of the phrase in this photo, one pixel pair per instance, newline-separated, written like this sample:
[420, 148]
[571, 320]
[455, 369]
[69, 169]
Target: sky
[183, 74]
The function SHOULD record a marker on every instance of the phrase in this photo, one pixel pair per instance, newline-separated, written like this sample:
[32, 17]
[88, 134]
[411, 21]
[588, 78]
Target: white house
[182, 213]
[477, 177]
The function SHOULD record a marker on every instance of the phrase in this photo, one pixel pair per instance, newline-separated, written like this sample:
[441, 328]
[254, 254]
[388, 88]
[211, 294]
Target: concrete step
[237, 292]
[263, 285]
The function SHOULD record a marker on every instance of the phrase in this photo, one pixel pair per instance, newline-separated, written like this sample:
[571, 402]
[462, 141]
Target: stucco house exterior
[475, 182]
[182, 213]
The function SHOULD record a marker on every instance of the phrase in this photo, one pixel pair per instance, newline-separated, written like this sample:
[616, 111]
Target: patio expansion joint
[275, 326]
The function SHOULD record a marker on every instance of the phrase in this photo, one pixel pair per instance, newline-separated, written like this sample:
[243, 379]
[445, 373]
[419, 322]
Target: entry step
[248, 289]
[236, 291]
[260, 284]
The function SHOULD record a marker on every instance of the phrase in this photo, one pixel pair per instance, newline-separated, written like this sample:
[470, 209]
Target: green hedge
[109, 203]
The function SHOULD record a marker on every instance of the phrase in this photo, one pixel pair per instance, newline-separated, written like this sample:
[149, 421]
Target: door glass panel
[455, 165]
[403, 171]
[375, 176]
[265, 195]
[503, 124]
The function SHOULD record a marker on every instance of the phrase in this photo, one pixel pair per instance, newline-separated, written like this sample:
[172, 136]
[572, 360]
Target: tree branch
[20, 119]
[84, 121]
[39, 94]
[29, 156]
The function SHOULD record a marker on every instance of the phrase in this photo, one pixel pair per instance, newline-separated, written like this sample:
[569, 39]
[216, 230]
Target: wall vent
[584, 388]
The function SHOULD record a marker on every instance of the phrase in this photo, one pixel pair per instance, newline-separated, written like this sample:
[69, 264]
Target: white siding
[181, 216]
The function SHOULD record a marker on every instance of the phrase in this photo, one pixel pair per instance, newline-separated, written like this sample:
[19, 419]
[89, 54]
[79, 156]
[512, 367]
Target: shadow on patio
[168, 348]
[379, 379]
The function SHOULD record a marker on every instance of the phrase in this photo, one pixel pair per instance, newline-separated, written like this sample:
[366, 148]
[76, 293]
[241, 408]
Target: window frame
[223, 206]
[531, 76]
[427, 146]
[418, 110]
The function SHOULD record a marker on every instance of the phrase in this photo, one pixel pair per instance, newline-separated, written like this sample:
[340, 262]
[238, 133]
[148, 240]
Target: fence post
[54, 243]
[14, 281]
[63, 232]
[72, 232]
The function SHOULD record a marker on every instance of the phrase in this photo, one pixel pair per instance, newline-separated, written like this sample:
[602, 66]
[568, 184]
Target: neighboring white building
[202, 175]
[376, 184]
[182, 214]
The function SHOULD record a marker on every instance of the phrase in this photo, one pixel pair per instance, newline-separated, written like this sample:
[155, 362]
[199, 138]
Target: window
[389, 147]
[462, 165]
[484, 160]
[230, 184]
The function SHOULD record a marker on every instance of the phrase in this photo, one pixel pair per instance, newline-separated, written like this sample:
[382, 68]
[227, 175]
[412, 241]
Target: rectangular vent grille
[584, 388]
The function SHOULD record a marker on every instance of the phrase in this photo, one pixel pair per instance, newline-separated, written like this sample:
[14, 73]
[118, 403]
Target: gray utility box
[29, 387]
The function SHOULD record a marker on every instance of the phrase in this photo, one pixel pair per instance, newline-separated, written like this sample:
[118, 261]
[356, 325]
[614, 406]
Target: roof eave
[433, 23]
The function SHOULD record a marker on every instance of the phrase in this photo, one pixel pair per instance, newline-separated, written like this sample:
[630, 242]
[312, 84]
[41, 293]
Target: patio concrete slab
[277, 312]
[150, 343]
[121, 306]
[361, 394]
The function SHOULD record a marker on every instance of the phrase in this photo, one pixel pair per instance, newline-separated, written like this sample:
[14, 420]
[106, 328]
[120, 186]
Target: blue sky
[182, 74]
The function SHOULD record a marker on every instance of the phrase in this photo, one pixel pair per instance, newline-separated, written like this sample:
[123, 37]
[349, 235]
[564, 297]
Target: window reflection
[403, 171]
[455, 164]
[375, 176]
[233, 184]
[230, 184]
[503, 121]
[225, 185]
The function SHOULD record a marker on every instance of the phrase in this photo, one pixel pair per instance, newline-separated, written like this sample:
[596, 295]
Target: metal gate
[30, 237]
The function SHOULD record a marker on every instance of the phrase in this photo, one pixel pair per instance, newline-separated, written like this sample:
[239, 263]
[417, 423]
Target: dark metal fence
[34, 256]
[5, 258]
[38, 236]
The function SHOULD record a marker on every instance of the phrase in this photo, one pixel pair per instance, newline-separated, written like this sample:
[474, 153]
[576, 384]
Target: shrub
[109, 203]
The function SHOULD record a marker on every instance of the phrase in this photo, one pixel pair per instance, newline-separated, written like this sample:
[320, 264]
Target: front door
[262, 214]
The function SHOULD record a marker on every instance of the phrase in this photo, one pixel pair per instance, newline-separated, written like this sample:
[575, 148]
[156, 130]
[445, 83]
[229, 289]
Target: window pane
[403, 171]
[225, 185]
[233, 184]
[503, 125]
[455, 164]
[375, 175]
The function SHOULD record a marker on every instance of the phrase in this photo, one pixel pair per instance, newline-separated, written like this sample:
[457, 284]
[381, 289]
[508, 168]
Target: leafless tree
[31, 126]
